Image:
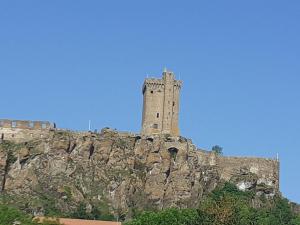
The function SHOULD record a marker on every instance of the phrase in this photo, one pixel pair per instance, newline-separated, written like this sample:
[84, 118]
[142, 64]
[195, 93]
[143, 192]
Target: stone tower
[161, 105]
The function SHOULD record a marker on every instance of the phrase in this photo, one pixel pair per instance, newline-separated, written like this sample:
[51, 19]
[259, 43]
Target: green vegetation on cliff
[10, 216]
[114, 175]
[225, 206]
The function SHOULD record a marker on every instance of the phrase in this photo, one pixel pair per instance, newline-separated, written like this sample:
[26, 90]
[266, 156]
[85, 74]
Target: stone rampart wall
[21, 135]
[23, 130]
[266, 169]
[207, 158]
[25, 124]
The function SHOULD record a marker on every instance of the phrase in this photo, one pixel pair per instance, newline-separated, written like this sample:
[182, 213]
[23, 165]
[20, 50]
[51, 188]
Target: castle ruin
[161, 105]
[23, 130]
[160, 116]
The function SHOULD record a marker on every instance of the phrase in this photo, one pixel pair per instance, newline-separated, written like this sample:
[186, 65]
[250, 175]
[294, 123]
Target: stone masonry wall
[161, 105]
[23, 130]
[266, 169]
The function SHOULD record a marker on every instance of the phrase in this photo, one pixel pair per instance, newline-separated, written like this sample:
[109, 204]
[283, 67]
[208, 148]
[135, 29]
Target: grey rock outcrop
[122, 172]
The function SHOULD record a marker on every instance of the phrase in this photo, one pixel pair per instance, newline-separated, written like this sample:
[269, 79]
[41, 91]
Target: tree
[10, 215]
[169, 216]
[226, 205]
[296, 221]
[217, 149]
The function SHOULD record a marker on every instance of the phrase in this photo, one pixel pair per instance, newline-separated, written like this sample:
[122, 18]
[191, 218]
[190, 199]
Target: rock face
[121, 172]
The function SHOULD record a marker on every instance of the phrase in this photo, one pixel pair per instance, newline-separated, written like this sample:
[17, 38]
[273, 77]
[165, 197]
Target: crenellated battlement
[153, 84]
[178, 84]
[25, 124]
[24, 130]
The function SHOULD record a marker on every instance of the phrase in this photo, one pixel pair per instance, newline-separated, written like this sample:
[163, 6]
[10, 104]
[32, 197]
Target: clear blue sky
[71, 61]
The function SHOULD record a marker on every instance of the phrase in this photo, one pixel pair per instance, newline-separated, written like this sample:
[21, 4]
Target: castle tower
[161, 105]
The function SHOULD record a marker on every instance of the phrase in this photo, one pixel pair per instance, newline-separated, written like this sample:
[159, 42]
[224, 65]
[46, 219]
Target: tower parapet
[161, 105]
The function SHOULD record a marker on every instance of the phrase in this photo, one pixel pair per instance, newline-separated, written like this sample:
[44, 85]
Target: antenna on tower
[89, 125]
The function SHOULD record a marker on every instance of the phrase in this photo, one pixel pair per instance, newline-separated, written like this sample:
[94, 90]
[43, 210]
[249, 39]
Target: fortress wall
[206, 158]
[23, 130]
[266, 169]
[21, 135]
[25, 124]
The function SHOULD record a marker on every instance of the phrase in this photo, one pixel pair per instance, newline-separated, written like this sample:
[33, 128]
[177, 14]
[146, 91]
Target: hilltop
[120, 174]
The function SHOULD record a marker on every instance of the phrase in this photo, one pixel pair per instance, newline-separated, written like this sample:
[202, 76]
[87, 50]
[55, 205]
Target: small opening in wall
[150, 139]
[2, 136]
[151, 92]
[157, 115]
[155, 126]
[12, 135]
[173, 103]
[13, 124]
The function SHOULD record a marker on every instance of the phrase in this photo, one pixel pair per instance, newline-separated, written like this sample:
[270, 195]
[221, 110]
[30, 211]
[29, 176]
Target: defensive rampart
[24, 130]
[266, 170]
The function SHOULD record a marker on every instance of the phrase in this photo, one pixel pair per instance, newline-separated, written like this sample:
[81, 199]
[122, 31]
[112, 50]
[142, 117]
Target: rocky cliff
[121, 173]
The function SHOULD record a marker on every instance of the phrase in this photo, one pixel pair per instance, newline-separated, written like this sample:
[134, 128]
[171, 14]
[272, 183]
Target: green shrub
[226, 205]
[217, 149]
[10, 216]
[97, 213]
[170, 216]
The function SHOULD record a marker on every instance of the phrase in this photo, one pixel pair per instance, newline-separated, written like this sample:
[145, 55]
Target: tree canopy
[224, 206]
[11, 216]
